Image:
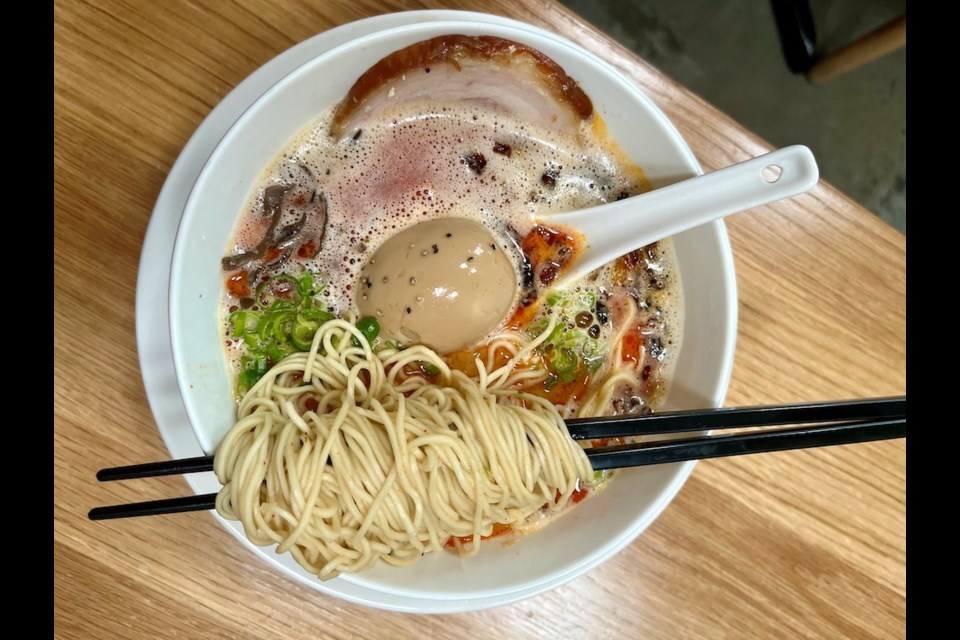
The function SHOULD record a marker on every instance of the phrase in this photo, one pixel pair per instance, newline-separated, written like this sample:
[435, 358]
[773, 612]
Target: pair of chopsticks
[843, 422]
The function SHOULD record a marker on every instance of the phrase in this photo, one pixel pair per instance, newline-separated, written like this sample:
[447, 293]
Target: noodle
[620, 375]
[342, 459]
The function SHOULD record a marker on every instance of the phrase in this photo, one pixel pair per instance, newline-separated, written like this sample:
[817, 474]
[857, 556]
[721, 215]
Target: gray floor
[728, 51]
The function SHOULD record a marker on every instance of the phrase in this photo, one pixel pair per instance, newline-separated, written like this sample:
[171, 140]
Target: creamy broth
[422, 163]
[437, 196]
[332, 203]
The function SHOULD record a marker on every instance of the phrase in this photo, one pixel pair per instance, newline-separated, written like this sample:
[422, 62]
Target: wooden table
[795, 544]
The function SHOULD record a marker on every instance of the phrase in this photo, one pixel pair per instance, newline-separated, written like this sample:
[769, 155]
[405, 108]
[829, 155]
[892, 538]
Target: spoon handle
[614, 229]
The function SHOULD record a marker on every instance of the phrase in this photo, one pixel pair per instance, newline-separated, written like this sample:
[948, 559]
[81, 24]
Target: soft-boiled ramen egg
[443, 283]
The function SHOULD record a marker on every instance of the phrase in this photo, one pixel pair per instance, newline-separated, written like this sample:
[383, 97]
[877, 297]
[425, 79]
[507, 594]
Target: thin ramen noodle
[384, 467]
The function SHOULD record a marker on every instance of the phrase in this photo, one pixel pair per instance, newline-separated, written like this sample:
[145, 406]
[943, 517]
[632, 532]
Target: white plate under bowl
[596, 529]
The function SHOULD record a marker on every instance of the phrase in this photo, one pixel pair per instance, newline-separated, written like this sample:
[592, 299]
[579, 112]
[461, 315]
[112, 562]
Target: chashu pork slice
[492, 72]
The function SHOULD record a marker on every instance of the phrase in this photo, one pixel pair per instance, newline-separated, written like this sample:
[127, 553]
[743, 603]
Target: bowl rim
[470, 22]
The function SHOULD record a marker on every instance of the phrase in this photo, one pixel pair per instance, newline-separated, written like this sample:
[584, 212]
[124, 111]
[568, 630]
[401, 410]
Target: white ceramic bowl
[597, 528]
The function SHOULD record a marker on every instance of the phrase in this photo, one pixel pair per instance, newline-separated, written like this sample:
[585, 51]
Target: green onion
[551, 382]
[369, 327]
[279, 325]
[537, 327]
[565, 362]
[302, 334]
[247, 379]
[280, 277]
[242, 322]
[569, 351]
[280, 328]
[306, 287]
[252, 340]
[601, 476]
[316, 315]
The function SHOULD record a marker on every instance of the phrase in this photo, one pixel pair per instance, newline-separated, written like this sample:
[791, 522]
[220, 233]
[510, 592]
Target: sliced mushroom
[298, 214]
[286, 236]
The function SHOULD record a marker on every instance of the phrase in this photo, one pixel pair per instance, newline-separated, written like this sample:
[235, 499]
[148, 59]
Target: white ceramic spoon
[616, 228]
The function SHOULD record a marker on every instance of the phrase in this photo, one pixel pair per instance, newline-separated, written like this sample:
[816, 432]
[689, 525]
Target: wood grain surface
[795, 544]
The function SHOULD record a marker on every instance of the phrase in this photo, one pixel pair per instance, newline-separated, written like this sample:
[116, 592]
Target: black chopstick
[616, 457]
[647, 453]
[852, 422]
[203, 502]
[152, 469]
[733, 418]
[623, 426]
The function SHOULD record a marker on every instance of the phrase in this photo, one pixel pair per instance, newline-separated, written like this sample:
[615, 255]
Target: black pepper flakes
[602, 313]
[502, 149]
[656, 347]
[476, 162]
[549, 177]
[526, 271]
[409, 310]
[435, 248]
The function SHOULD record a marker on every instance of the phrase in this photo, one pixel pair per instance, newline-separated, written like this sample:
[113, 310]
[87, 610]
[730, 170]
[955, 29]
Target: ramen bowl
[598, 527]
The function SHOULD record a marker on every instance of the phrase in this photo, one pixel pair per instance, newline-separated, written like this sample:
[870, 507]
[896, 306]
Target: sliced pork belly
[492, 72]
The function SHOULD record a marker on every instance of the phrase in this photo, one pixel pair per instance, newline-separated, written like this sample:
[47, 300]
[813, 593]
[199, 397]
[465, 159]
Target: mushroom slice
[297, 214]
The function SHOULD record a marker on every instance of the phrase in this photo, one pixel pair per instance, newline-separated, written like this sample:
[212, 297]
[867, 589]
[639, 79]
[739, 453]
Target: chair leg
[798, 39]
[876, 44]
